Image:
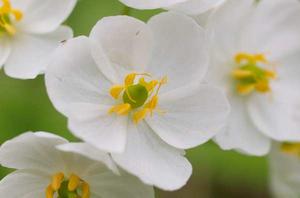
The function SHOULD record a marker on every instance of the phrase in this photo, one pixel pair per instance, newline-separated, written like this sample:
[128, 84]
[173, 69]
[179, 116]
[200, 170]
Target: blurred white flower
[255, 59]
[134, 89]
[29, 32]
[191, 7]
[45, 171]
[285, 170]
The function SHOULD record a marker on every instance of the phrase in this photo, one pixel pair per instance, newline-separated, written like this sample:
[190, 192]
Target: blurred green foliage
[24, 106]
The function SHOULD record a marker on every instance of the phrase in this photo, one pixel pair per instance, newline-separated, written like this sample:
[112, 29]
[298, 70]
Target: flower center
[250, 75]
[291, 148]
[7, 15]
[140, 96]
[72, 187]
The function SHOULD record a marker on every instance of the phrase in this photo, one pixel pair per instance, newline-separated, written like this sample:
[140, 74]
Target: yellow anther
[253, 59]
[57, 179]
[18, 14]
[149, 85]
[49, 192]
[129, 79]
[245, 89]
[121, 109]
[271, 74]
[7, 13]
[152, 103]
[291, 148]
[85, 190]
[74, 182]
[116, 90]
[262, 86]
[140, 115]
[250, 75]
[9, 29]
[240, 73]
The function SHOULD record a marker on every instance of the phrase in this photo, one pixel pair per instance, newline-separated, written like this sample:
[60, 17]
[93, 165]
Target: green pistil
[138, 94]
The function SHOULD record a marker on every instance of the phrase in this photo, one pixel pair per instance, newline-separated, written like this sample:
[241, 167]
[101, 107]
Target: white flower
[44, 171]
[133, 89]
[192, 7]
[255, 59]
[285, 170]
[29, 32]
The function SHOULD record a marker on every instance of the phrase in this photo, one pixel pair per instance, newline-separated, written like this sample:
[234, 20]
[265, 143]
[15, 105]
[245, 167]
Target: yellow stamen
[7, 13]
[57, 179]
[85, 190]
[262, 86]
[116, 90]
[49, 192]
[271, 74]
[239, 58]
[121, 109]
[140, 115]
[74, 182]
[250, 76]
[240, 74]
[291, 148]
[149, 85]
[9, 29]
[245, 89]
[18, 14]
[143, 96]
[73, 186]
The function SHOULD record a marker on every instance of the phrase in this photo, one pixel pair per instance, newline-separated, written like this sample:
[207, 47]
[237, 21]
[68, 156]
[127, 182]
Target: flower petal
[25, 184]
[31, 53]
[277, 115]
[195, 7]
[281, 36]
[192, 116]
[109, 185]
[43, 17]
[150, 4]
[240, 133]
[33, 151]
[179, 50]
[91, 152]
[73, 77]
[4, 51]
[152, 160]
[99, 128]
[284, 172]
[125, 40]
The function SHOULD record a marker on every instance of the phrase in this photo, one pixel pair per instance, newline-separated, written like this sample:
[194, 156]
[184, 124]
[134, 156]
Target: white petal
[105, 131]
[284, 172]
[277, 115]
[30, 53]
[4, 51]
[109, 185]
[191, 118]
[150, 4]
[152, 160]
[24, 184]
[73, 77]
[45, 16]
[179, 50]
[126, 41]
[91, 152]
[240, 133]
[33, 151]
[195, 7]
[281, 36]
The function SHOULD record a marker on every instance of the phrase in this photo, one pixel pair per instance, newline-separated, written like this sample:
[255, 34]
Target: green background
[24, 106]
